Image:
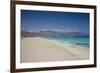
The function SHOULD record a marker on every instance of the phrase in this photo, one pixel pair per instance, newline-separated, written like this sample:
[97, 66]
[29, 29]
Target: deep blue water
[77, 40]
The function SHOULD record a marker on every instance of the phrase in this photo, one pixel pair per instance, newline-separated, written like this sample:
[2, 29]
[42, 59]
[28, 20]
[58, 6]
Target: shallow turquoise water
[78, 40]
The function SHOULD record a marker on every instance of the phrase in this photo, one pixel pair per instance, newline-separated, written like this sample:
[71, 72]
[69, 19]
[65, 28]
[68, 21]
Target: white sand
[36, 49]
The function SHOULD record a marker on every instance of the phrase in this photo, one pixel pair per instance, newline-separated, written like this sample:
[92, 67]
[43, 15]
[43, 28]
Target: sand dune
[36, 49]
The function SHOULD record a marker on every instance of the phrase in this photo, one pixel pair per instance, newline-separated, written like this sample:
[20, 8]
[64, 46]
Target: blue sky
[32, 20]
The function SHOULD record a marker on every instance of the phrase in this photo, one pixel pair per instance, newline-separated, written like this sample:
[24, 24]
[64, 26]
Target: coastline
[37, 49]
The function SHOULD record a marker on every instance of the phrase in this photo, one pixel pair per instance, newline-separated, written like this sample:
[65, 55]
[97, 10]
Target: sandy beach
[37, 49]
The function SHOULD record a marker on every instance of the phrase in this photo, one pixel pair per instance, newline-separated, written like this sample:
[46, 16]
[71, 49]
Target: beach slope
[37, 49]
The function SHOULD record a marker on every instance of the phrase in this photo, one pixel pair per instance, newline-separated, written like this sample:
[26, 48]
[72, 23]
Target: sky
[34, 21]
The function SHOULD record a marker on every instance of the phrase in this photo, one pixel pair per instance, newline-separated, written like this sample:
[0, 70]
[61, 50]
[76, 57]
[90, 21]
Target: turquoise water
[77, 40]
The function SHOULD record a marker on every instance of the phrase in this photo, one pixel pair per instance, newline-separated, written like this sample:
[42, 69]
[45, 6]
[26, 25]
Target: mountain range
[51, 33]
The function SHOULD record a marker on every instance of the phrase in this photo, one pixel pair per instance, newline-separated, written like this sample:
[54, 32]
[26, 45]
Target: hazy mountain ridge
[51, 33]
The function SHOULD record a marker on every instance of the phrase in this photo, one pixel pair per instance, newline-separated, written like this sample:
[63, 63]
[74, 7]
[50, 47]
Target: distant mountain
[28, 34]
[50, 33]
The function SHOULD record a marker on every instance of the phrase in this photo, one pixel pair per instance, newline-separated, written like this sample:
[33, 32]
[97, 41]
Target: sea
[76, 40]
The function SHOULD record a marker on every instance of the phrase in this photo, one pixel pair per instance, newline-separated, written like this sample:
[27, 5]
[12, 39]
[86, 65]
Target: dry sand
[37, 49]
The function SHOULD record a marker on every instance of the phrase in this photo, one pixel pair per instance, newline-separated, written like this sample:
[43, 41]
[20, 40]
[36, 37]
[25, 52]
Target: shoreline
[38, 49]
